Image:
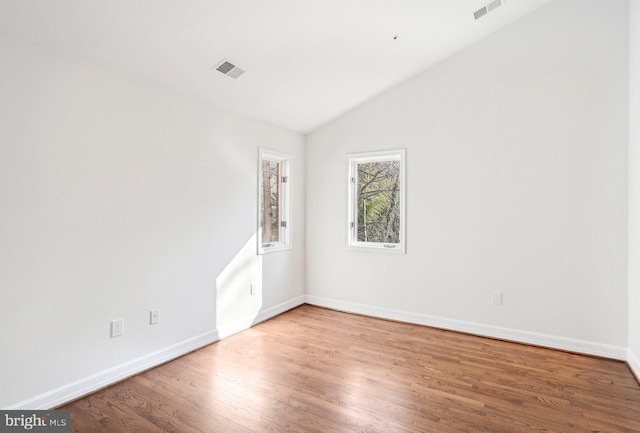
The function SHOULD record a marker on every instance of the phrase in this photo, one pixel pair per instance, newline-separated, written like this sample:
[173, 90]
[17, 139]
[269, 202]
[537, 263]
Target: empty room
[305, 216]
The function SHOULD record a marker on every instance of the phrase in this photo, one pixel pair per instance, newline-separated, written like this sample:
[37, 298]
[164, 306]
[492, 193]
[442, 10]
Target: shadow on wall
[239, 291]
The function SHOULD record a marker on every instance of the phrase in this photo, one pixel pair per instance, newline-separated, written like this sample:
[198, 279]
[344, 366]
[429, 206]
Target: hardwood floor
[317, 370]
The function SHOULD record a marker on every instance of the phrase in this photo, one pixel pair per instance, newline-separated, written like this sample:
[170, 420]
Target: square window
[376, 201]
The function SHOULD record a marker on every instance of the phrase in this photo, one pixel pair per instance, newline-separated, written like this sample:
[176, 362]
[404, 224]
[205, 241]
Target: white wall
[517, 182]
[634, 187]
[117, 197]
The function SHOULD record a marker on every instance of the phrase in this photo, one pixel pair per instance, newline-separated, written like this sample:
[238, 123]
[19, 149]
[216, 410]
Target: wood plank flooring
[317, 370]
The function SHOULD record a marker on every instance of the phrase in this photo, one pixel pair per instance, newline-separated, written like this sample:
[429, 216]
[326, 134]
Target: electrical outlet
[496, 298]
[117, 327]
[154, 316]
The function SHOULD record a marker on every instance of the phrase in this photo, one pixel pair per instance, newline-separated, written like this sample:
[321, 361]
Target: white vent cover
[487, 8]
[229, 69]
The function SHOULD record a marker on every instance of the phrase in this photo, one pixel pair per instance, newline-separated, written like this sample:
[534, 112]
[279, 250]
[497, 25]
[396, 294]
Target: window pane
[274, 195]
[271, 201]
[378, 202]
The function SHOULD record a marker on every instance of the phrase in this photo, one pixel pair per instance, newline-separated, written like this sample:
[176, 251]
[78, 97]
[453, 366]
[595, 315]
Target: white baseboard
[87, 385]
[551, 341]
[634, 363]
[79, 388]
[112, 375]
[279, 309]
[247, 322]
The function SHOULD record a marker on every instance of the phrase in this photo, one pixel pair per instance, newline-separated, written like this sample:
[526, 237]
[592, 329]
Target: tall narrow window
[274, 222]
[376, 201]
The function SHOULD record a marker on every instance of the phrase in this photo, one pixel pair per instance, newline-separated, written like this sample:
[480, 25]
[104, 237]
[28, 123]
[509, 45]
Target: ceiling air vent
[229, 69]
[487, 8]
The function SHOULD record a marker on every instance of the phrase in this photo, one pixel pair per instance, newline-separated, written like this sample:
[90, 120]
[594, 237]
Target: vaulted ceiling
[306, 61]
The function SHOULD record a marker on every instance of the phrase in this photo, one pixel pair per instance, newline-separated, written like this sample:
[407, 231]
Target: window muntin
[274, 225]
[376, 201]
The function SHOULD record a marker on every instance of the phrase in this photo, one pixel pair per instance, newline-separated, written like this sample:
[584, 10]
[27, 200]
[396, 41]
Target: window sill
[274, 248]
[376, 248]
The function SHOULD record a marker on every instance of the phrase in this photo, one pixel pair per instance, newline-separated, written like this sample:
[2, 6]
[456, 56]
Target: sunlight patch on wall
[239, 291]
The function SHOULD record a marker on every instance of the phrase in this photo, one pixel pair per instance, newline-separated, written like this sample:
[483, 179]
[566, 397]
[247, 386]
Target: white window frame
[352, 162]
[284, 205]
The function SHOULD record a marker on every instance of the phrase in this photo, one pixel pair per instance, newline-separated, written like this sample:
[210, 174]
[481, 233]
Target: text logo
[42, 421]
